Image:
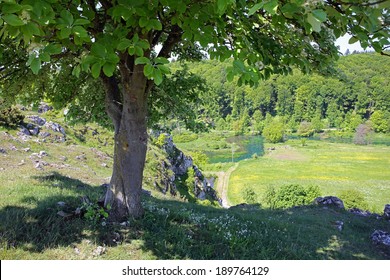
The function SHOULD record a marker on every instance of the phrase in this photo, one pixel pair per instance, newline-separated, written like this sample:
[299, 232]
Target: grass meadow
[30, 227]
[333, 167]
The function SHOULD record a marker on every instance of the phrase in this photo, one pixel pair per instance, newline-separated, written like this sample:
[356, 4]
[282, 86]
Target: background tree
[116, 42]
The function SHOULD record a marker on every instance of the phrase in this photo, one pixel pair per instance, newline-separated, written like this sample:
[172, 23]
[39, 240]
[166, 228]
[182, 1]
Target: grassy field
[333, 167]
[30, 227]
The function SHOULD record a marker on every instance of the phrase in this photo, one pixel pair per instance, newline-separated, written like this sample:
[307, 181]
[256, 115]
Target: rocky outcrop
[329, 201]
[381, 237]
[180, 165]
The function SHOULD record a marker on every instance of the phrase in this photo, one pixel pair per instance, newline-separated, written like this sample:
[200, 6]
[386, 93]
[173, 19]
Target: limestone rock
[43, 108]
[381, 237]
[37, 120]
[360, 212]
[329, 200]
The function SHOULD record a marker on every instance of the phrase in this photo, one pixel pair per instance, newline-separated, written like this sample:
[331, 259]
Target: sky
[343, 44]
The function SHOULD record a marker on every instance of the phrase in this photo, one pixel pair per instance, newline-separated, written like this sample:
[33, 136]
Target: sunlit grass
[333, 167]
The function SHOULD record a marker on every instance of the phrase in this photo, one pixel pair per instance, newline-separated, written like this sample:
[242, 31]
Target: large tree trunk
[129, 118]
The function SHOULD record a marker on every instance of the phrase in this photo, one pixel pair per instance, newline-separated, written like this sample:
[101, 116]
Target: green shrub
[249, 195]
[200, 159]
[353, 199]
[305, 129]
[10, 116]
[274, 131]
[291, 195]
[184, 137]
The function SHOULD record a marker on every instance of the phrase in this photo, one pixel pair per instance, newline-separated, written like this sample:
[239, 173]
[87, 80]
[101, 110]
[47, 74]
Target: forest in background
[357, 91]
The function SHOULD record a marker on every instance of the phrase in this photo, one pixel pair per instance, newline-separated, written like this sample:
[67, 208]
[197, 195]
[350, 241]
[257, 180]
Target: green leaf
[353, 40]
[67, 16]
[13, 20]
[164, 69]
[143, 22]
[314, 22]
[148, 70]
[124, 44]
[131, 50]
[320, 15]
[76, 71]
[44, 57]
[271, 7]
[161, 60]
[222, 5]
[10, 8]
[35, 65]
[255, 8]
[80, 32]
[95, 70]
[142, 60]
[53, 49]
[144, 44]
[109, 69]
[98, 50]
[139, 51]
[155, 24]
[81, 21]
[112, 58]
[65, 33]
[157, 76]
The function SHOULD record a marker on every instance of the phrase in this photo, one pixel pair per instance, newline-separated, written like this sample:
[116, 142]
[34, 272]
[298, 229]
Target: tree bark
[124, 194]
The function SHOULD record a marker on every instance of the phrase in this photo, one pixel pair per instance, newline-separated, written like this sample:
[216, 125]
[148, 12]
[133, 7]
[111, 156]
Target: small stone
[99, 251]
[21, 162]
[38, 165]
[339, 225]
[104, 164]
[63, 158]
[77, 251]
[42, 154]
[3, 151]
[26, 149]
[61, 204]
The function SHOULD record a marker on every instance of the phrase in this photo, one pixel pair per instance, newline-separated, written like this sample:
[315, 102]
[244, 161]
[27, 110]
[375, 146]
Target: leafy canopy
[263, 37]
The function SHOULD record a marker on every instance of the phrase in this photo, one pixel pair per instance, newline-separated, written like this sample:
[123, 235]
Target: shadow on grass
[178, 230]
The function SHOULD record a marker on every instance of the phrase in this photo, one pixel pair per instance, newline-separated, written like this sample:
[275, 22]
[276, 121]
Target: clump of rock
[381, 237]
[329, 201]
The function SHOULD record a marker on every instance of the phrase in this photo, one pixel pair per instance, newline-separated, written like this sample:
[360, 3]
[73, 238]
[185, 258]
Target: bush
[274, 131]
[291, 195]
[353, 199]
[249, 195]
[305, 129]
[184, 137]
[10, 116]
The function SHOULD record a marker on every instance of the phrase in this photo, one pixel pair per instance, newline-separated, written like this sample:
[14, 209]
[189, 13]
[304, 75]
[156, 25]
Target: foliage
[249, 195]
[379, 122]
[199, 158]
[117, 41]
[161, 140]
[274, 130]
[184, 137]
[353, 199]
[10, 116]
[305, 129]
[291, 195]
[94, 213]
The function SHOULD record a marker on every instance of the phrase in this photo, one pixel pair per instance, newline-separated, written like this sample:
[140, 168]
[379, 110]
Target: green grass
[334, 167]
[171, 229]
